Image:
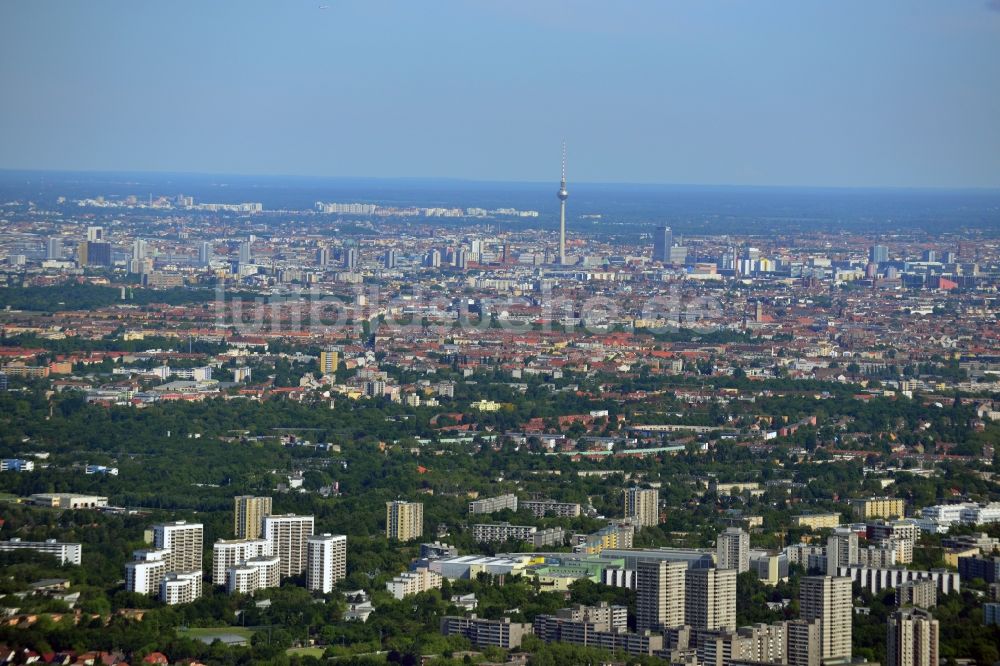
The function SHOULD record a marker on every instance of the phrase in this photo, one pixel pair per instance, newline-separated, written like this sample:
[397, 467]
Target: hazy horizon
[547, 184]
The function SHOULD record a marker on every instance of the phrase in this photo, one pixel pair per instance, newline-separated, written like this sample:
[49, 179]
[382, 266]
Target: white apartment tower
[326, 561]
[841, 550]
[733, 550]
[180, 587]
[183, 541]
[287, 535]
[254, 574]
[146, 571]
[230, 553]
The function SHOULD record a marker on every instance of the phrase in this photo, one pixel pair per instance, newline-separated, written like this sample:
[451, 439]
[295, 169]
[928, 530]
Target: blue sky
[745, 92]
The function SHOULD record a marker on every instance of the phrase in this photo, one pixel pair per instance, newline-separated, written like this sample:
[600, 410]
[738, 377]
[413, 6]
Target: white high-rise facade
[254, 574]
[145, 572]
[288, 535]
[327, 561]
[841, 550]
[180, 587]
[733, 550]
[231, 553]
[183, 541]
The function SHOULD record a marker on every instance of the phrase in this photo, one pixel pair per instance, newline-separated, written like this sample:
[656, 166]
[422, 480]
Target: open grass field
[305, 652]
[225, 634]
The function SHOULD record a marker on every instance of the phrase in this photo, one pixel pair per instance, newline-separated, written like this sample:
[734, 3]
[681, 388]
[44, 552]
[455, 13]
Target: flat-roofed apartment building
[642, 504]
[256, 573]
[66, 553]
[248, 515]
[817, 521]
[485, 533]
[326, 561]
[542, 508]
[146, 571]
[288, 535]
[879, 507]
[227, 553]
[485, 633]
[493, 504]
[183, 542]
[404, 521]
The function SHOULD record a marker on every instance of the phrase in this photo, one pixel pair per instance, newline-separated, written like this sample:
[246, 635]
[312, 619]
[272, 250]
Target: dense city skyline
[658, 333]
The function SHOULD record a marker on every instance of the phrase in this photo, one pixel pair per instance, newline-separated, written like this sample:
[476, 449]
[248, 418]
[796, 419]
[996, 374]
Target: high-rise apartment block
[912, 638]
[350, 258]
[660, 594]
[256, 573]
[329, 361]
[710, 599]
[642, 504]
[180, 587]
[404, 521]
[145, 572]
[804, 646]
[733, 550]
[183, 542]
[248, 515]
[922, 593]
[230, 553]
[828, 599]
[53, 248]
[204, 253]
[841, 550]
[326, 561]
[288, 535]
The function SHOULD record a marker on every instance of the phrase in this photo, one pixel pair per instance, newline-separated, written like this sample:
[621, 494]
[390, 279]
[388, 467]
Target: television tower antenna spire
[563, 195]
[564, 164]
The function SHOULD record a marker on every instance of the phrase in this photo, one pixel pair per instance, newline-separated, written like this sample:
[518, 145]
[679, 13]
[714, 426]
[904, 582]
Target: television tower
[563, 195]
